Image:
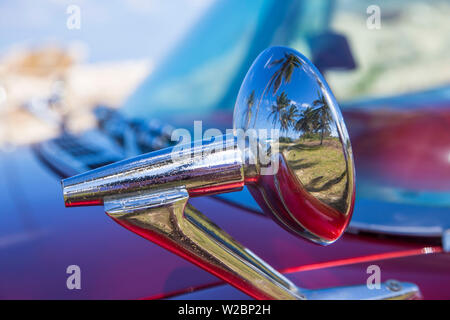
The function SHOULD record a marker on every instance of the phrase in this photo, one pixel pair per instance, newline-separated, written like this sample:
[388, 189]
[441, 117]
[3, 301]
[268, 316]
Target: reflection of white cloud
[305, 105]
[300, 105]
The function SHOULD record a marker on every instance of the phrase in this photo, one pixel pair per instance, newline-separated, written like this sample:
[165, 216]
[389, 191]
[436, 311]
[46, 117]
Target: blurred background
[117, 44]
[88, 83]
[115, 47]
[136, 69]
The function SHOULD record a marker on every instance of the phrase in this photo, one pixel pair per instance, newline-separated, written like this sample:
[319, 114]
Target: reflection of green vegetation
[321, 169]
[321, 115]
[279, 107]
[315, 118]
[287, 117]
[283, 112]
[310, 121]
[306, 122]
[287, 66]
[285, 140]
[248, 111]
[284, 73]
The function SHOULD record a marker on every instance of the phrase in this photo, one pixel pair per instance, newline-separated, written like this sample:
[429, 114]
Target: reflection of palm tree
[306, 122]
[279, 107]
[287, 117]
[321, 114]
[315, 118]
[283, 112]
[248, 111]
[287, 65]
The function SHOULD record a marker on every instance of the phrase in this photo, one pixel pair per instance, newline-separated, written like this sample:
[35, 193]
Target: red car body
[403, 144]
[40, 238]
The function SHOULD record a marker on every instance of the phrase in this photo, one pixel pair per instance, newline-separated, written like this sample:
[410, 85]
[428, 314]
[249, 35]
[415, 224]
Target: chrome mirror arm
[165, 218]
[146, 195]
[202, 168]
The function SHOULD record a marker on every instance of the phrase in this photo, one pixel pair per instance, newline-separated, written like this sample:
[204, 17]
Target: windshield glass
[204, 72]
[407, 51]
[201, 69]
[405, 54]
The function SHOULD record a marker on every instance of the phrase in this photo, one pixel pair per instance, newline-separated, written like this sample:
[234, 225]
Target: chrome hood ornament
[289, 146]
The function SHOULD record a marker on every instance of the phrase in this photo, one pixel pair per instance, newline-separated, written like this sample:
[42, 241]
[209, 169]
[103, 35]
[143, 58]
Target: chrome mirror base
[389, 290]
[164, 217]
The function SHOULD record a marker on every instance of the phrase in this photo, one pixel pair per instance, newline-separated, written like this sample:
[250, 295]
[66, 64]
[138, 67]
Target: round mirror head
[305, 172]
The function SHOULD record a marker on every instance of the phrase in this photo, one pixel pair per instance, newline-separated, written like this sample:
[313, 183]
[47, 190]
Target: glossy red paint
[284, 250]
[211, 268]
[362, 259]
[98, 202]
[211, 190]
[299, 206]
[406, 149]
[375, 258]
[429, 272]
[39, 239]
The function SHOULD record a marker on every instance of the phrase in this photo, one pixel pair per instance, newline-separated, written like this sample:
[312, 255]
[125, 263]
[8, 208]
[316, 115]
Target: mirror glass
[311, 190]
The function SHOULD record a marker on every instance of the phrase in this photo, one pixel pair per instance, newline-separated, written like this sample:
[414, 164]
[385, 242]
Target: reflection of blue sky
[111, 30]
[302, 90]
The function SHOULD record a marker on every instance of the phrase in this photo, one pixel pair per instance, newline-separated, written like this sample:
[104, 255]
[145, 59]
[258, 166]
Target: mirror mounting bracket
[166, 218]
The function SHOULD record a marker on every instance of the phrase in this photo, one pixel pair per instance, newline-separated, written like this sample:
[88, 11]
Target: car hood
[39, 239]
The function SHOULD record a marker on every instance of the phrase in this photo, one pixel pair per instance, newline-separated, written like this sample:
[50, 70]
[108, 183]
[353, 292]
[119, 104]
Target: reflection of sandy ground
[321, 169]
[86, 85]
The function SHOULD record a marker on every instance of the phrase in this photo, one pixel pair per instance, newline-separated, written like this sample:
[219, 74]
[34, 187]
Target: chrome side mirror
[307, 186]
[312, 191]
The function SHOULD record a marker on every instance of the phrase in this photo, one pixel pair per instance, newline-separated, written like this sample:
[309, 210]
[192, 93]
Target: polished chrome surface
[312, 194]
[389, 290]
[307, 186]
[165, 218]
[196, 168]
